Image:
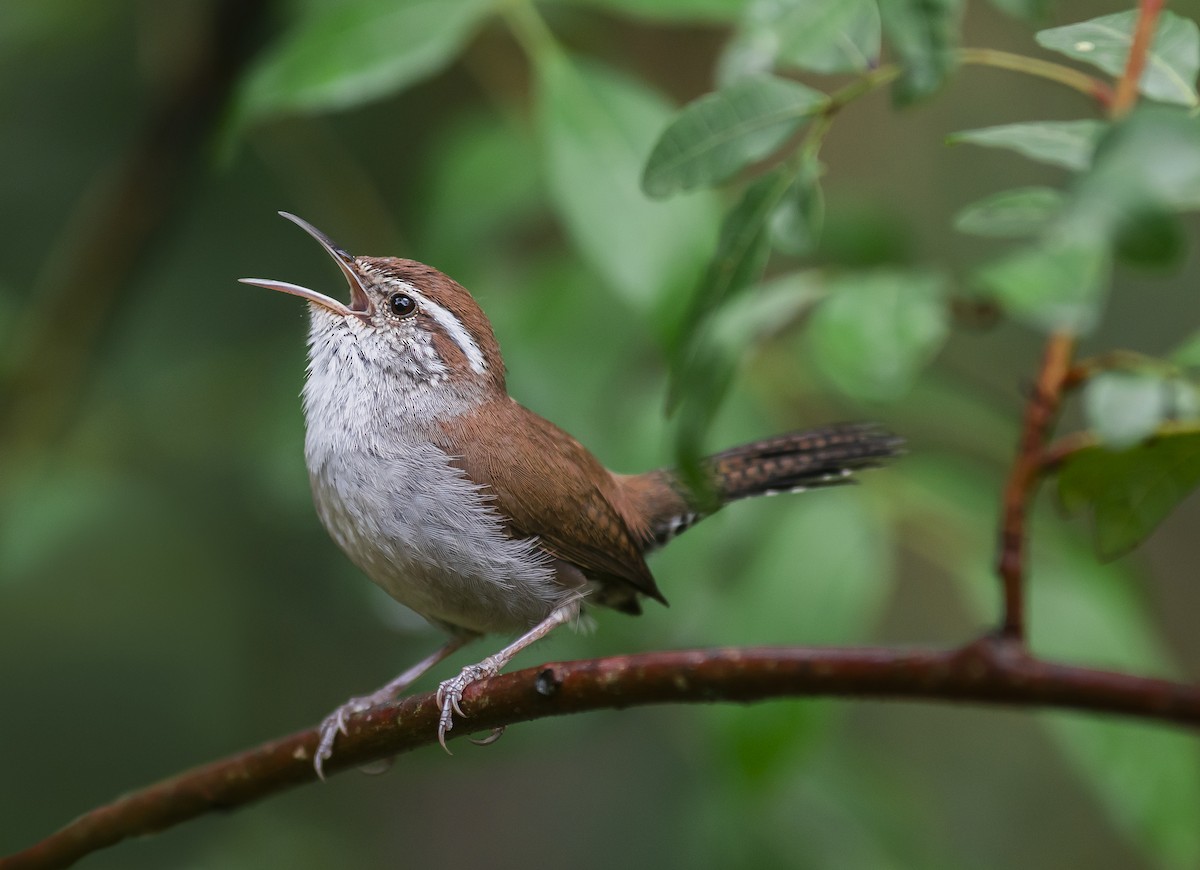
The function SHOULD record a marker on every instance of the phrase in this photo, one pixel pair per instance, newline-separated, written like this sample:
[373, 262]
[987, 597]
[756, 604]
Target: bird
[473, 511]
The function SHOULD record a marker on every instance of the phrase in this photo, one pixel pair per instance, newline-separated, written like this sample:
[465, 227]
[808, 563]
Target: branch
[1090, 86]
[1057, 375]
[992, 670]
[1040, 413]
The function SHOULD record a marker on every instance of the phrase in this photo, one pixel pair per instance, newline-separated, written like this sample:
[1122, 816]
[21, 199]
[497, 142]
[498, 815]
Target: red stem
[1143, 36]
[1040, 413]
[1057, 375]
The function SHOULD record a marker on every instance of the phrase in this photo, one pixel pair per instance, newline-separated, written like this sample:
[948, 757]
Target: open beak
[360, 303]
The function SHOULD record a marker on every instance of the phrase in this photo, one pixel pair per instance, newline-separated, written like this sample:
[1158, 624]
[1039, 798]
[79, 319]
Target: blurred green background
[167, 595]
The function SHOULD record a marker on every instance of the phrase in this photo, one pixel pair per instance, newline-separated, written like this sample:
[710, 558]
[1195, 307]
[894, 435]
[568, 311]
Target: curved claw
[449, 694]
[496, 734]
[449, 698]
[325, 745]
[444, 725]
[333, 725]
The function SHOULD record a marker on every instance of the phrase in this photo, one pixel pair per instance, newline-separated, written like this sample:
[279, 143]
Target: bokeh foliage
[649, 205]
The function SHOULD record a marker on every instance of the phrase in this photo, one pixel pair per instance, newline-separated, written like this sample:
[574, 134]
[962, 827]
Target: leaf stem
[1117, 360]
[838, 100]
[876, 78]
[1091, 86]
[1143, 35]
[1057, 452]
[530, 29]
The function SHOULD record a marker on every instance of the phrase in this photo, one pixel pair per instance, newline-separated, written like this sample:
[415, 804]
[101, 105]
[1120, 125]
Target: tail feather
[800, 460]
[786, 463]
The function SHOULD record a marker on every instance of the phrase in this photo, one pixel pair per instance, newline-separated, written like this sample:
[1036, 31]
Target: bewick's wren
[473, 511]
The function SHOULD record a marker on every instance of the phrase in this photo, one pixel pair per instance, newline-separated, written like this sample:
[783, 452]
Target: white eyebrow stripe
[454, 328]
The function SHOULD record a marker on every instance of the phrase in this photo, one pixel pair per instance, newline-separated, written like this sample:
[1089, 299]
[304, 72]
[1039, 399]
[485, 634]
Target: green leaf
[1148, 162]
[481, 187]
[698, 378]
[1183, 399]
[344, 54]
[755, 315]
[1188, 353]
[721, 133]
[797, 221]
[596, 126]
[1035, 11]
[1062, 143]
[1145, 777]
[1150, 238]
[743, 247]
[877, 330]
[1016, 213]
[1053, 284]
[925, 36]
[674, 10]
[822, 567]
[1125, 407]
[1142, 169]
[825, 36]
[766, 309]
[838, 36]
[842, 544]
[1129, 493]
[1171, 64]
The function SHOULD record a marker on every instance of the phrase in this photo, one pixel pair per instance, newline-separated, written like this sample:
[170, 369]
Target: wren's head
[410, 339]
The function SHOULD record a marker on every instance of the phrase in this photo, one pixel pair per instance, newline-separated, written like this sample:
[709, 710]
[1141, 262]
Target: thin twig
[1057, 376]
[989, 671]
[1040, 413]
[1139, 48]
[1097, 89]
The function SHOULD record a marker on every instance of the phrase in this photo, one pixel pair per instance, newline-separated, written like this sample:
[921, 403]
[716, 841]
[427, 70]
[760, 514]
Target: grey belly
[429, 537]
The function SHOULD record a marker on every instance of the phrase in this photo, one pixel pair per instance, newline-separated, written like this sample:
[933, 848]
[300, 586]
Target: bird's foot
[335, 723]
[449, 694]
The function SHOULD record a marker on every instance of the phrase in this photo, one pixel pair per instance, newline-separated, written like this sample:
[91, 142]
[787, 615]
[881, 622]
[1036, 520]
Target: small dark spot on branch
[547, 682]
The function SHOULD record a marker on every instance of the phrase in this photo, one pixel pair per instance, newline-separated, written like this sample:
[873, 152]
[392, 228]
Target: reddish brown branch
[992, 671]
[1143, 36]
[1040, 413]
[1057, 376]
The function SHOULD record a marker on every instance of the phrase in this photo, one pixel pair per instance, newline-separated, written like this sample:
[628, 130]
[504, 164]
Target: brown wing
[552, 488]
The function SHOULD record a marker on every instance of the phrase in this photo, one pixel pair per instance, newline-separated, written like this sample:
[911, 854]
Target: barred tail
[786, 463]
[801, 460]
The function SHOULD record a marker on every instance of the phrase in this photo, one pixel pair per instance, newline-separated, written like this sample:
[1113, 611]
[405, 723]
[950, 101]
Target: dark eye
[401, 304]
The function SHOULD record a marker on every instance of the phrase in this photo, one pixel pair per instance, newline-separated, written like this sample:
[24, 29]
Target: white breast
[393, 502]
[427, 535]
